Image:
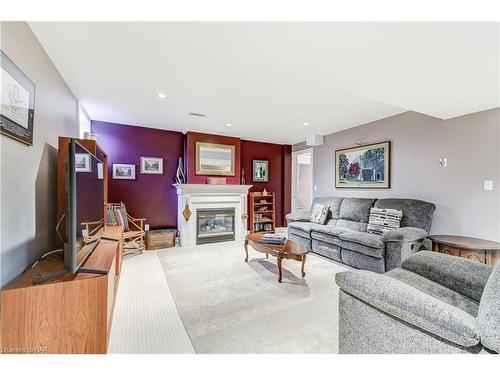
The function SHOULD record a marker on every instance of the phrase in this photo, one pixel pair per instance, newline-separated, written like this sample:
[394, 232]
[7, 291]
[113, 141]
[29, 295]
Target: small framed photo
[123, 171]
[260, 171]
[151, 165]
[82, 163]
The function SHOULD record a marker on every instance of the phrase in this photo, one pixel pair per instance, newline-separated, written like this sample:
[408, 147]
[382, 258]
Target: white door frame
[294, 174]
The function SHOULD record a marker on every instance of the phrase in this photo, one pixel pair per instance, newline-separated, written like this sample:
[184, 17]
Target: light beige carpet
[145, 318]
[229, 306]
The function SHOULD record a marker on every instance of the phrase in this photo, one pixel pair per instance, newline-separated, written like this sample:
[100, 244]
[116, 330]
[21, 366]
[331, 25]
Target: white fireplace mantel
[203, 196]
[211, 189]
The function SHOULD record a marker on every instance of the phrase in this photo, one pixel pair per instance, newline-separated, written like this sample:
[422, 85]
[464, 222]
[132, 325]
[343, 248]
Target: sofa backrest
[334, 203]
[355, 213]
[416, 213]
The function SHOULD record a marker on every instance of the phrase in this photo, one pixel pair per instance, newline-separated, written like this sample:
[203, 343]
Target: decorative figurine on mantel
[179, 176]
[243, 181]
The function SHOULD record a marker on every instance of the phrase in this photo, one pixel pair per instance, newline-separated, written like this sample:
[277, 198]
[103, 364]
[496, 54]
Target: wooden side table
[476, 249]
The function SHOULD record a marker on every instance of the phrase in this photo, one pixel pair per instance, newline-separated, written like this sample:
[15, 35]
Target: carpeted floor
[229, 306]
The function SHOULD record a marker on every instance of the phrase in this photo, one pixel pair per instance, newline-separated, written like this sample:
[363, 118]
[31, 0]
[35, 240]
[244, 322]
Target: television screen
[85, 187]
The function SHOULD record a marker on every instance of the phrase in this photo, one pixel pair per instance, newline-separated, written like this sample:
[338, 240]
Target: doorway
[302, 179]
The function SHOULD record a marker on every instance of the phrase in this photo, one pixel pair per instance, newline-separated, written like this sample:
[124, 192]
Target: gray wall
[471, 143]
[28, 174]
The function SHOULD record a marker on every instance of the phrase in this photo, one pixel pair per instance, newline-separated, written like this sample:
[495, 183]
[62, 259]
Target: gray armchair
[434, 303]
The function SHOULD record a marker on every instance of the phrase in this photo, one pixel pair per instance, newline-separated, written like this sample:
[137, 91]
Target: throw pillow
[123, 211]
[111, 217]
[384, 220]
[319, 213]
[121, 218]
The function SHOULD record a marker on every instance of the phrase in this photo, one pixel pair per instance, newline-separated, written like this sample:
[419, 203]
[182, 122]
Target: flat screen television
[85, 204]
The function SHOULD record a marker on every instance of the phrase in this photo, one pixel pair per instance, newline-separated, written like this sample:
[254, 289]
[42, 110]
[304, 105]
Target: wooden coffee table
[289, 250]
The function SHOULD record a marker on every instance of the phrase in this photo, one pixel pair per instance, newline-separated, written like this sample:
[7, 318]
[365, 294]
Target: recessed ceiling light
[162, 95]
[229, 125]
[306, 124]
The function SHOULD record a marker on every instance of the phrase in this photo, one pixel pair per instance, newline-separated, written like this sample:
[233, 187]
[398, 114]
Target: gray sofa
[434, 303]
[344, 237]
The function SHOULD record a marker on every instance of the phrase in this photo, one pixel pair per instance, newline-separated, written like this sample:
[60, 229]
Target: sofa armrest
[298, 215]
[411, 305]
[405, 234]
[459, 274]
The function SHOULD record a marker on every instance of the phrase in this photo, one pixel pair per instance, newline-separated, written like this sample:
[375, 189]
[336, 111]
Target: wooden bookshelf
[262, 213]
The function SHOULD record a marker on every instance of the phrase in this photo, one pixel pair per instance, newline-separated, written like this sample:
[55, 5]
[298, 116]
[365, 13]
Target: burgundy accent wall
[279, 157]
[148, 196]
[190, 156]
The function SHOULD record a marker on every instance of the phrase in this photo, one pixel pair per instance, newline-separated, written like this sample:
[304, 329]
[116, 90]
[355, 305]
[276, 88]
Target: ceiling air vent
[197, 114]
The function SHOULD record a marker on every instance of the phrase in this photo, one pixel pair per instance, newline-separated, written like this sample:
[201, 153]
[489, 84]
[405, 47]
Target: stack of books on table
[273, 239]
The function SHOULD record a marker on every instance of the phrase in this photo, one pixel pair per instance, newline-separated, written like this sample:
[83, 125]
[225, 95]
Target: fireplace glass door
[214, 225]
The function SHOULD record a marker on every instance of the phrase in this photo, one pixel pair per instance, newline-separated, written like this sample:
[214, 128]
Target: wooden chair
[134, 237]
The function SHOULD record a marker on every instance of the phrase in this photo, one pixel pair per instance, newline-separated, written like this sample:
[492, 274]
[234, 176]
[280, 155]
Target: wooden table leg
[246, 250]
[280, 257]
[303, 264]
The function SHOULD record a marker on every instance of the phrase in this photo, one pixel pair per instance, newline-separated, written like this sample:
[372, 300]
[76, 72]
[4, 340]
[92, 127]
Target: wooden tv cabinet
[70, 314]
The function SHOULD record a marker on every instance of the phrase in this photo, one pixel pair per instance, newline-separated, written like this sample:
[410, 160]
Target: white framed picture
[82, 162]
[150, 165]
[123, 171]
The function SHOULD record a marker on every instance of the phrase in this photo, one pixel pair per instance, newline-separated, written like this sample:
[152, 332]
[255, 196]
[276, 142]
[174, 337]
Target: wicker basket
[160, 238]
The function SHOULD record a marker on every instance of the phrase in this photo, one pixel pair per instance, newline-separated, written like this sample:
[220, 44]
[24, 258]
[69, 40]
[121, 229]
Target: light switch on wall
[315, 187]
[488, 185]
[443, 162]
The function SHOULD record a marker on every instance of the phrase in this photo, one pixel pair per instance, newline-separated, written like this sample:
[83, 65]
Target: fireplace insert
[214, 225]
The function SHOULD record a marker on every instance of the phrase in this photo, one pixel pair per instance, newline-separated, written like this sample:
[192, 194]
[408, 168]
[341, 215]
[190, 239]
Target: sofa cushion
[319, 213]
[334, 203]
[462, 275]
[328, 234]
[302, 228]
[436, 290]
[351, 225]
[356, 209]
[416, 213]
[324, 237]
[365, 243]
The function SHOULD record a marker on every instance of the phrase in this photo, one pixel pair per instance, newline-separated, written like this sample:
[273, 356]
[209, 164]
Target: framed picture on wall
[123, 171]
[82, 163]
[367, 166]
[260, 171]
[17, 102]
[150, 165]
[214, 159]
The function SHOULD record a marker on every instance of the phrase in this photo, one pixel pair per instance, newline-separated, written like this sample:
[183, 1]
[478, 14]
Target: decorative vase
[243, 181]
[180, 178]
[264, 192]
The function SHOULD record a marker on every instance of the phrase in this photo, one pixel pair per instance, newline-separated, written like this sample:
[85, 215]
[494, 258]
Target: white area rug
[229, 306]
[145, 318]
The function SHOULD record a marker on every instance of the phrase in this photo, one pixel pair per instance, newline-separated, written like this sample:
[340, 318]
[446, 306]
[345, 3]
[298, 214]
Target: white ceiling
[267, 79]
